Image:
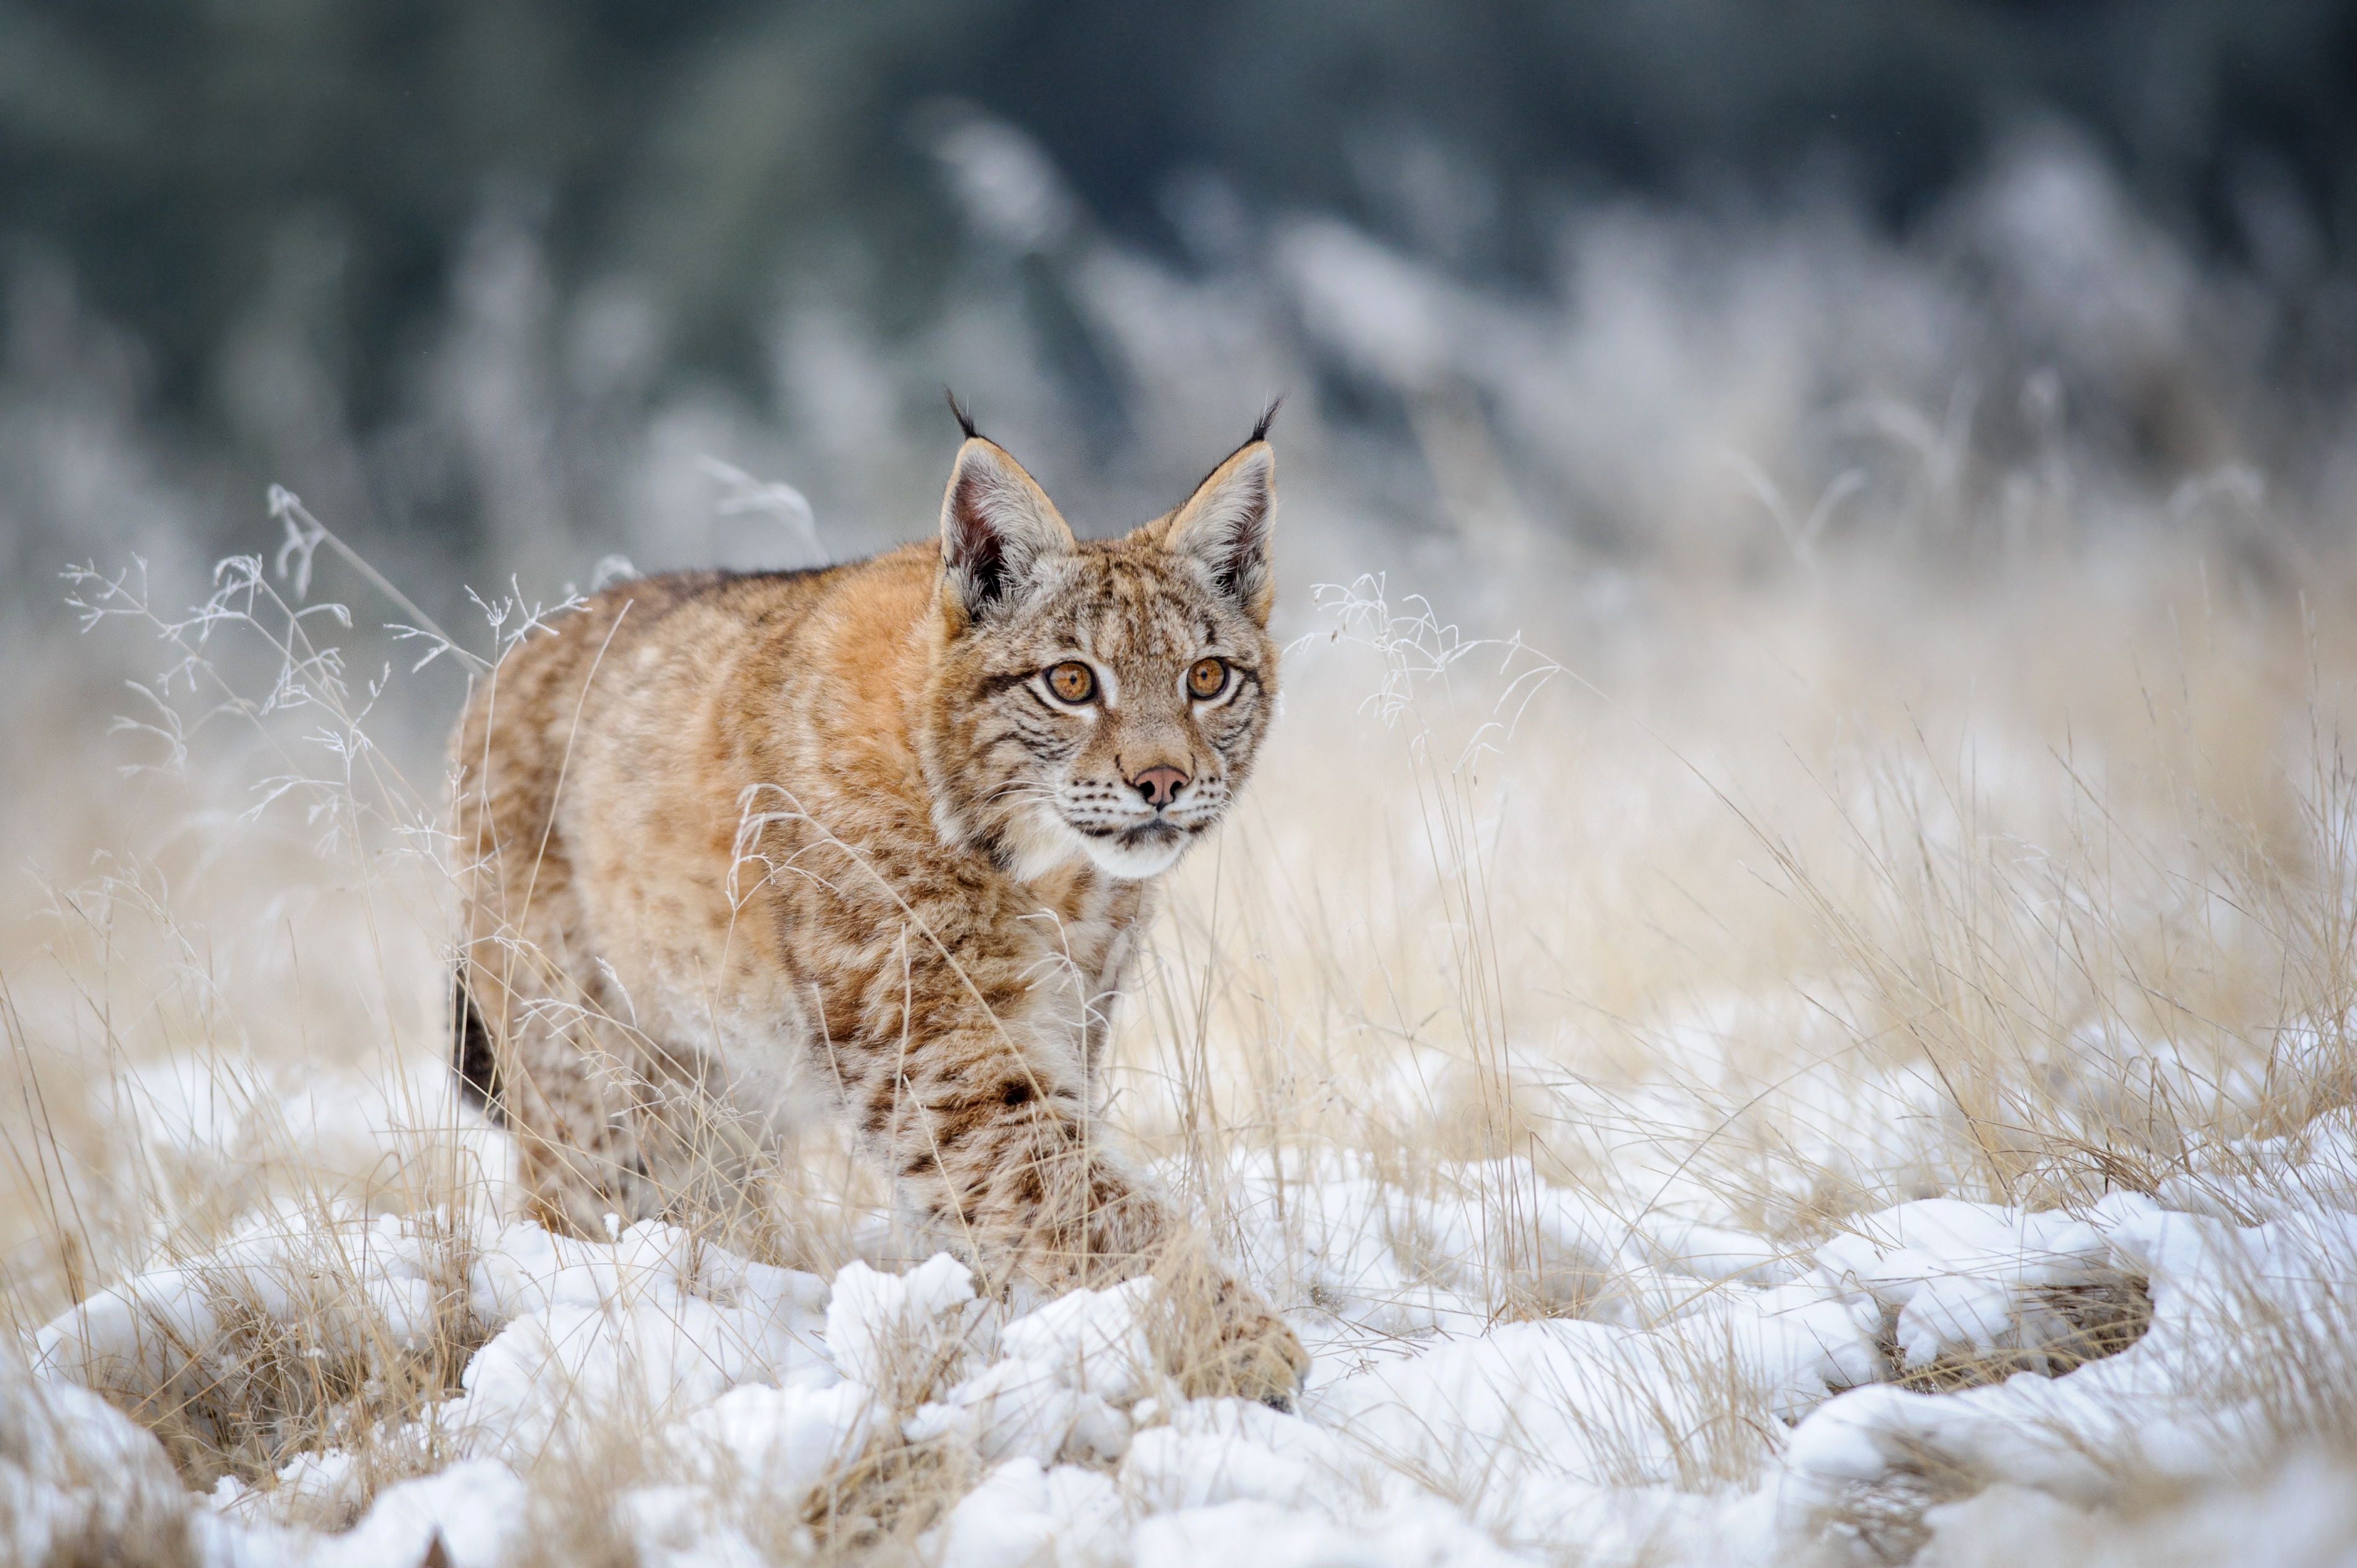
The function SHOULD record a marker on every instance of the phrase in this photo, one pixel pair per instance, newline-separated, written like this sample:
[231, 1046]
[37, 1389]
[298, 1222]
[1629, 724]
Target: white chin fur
[1134, 862]
[1040, 844]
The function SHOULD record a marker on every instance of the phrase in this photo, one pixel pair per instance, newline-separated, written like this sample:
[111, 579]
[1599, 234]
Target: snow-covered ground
[761, 1405]
[1725, 1138]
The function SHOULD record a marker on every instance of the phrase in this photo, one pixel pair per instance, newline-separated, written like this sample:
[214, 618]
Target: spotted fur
[834, 837]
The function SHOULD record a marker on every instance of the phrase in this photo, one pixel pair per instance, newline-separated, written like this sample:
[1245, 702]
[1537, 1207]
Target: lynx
[883, 836]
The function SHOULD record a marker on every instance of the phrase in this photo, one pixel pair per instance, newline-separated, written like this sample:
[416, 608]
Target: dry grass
[1769, 905]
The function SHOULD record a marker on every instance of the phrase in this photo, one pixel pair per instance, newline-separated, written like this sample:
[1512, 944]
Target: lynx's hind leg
[528, 1052]
[527, 1040]
[605, 1121]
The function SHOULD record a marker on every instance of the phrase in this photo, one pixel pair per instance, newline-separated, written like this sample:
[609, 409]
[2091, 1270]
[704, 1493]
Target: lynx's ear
[998, 528]
[1225, 525]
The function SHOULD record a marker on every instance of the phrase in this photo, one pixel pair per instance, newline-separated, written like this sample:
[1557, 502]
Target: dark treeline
[167, 150]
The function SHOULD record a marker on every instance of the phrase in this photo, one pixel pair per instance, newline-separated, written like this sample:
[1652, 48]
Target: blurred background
[1561, 297]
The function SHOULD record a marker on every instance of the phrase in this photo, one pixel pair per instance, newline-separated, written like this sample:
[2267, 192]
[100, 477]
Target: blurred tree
[706, 148]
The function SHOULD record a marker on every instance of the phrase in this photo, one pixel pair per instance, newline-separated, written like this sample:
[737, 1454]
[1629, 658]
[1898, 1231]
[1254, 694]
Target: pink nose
[1160, 786]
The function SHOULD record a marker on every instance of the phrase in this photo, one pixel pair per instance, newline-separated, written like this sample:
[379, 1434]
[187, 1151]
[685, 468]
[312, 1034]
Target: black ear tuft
[1267, 415]
[966, 420]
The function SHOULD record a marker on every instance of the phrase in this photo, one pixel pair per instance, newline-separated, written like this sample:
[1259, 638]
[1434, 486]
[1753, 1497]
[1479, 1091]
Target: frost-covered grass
[1822, 1070]
[1799, 1010]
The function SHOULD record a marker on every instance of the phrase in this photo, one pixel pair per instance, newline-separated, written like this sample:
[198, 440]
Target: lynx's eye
[1072, 681]
[1207, 679]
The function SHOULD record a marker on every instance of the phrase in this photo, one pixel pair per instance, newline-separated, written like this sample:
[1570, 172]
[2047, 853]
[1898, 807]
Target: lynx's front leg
[990, 1136]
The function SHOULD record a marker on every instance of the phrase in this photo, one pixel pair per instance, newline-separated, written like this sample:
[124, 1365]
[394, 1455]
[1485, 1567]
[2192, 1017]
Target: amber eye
[1208, 679]
[1072, 681]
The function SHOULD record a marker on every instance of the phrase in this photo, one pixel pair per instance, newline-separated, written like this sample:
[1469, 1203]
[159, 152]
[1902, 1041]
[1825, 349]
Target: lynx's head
[1098, 699]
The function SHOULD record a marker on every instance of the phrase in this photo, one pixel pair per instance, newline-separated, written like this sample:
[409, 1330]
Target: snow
[877, 1323]
[1706, 1392]
[2223, 1297]
[2304, 1514]
[652, 1327]
[477, 1507]
[1960, 1274]
[1092, 1340]
[1023, 1513]
[70, 1466]
[1247, 1532]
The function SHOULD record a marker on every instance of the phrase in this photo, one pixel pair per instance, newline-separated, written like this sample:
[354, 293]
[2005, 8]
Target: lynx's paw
[1260, 1357]
[1224, 1340]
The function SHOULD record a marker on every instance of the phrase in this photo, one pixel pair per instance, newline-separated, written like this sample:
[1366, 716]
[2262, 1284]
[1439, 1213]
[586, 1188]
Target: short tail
[471, 1058]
